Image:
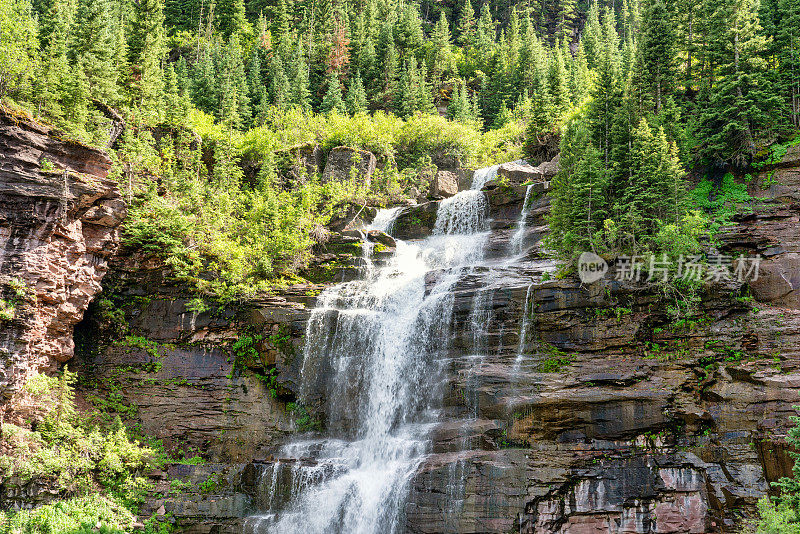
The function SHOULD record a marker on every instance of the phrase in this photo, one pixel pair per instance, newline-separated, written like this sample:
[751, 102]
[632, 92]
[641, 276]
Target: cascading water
[518, 239]
[375, 351]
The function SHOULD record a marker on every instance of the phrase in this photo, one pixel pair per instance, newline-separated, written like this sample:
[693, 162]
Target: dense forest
[638, 92]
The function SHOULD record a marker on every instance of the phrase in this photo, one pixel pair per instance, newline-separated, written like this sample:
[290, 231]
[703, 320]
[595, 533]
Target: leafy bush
[99, 470]
[79, 515]
[721, 203]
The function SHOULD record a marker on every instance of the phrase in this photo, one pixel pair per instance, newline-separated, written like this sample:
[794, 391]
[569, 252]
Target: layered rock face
[568, 408]
[59, 219]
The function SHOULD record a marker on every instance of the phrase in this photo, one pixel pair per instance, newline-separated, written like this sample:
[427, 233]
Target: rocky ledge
[59, 223]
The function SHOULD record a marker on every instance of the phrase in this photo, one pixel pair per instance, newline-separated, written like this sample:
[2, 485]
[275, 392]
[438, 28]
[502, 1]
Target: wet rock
[381, 237]
[351, 216]
[518, 173]
[415, 222]
[343, 161]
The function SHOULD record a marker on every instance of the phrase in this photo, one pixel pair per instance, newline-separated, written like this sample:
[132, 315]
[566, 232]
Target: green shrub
[80, 515]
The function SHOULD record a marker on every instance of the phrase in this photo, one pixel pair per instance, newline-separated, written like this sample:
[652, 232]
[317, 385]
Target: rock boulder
[343, 161]
[443, 185]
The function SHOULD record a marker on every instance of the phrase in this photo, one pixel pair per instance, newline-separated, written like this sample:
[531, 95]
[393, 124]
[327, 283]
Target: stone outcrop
[344, 161]
[443, 185]
[59, 219]
[300, 162]
[518, 173]
[415, 222]
[771, 231]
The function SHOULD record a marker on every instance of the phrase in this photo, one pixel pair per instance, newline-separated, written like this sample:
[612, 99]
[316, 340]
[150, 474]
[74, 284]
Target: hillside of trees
[639, 93]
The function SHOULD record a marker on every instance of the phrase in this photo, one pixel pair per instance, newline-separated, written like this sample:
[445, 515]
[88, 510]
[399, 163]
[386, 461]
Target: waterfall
[518, 239]
[481, 176]
[375, 351]
[527, 308]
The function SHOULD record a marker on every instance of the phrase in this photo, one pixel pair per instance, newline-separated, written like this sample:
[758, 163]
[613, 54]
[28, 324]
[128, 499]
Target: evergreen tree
[356, 100]
[579, 76]
[578, 194]
[92, 48]
[787, 44]
[606, 95]
[423, 98]
[280, 91]
[176, 104]
[146, 52]
[299, 94]
[231, 17]
[565, 20]
[655, 193]
[280, 21]
[658, 46]
[333, 96]
[741, 107]
[466, 25]
[485, 34]
[592, 35]
[403, 103]
[440, 58]
[558, 82]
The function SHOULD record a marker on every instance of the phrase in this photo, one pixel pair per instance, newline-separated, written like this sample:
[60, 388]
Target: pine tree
[403, 103]
[657, 50]
[205, 89]
[592, 35]
[176, 105]
[787, 44]
[280, 21]
[578, 196]
[280, 92]
[93, 42]
[51, 84]
[558, 82]
[356, 100]
[579, 76]
[76, 97]
[332, 100]
[299, 94]
[565, 22]
[466, 25]
[655, 193]
[607, 93]
[231, 17]
[146, 52]
[423, 98]
[440, 56]
[741, 104]
[485, 34]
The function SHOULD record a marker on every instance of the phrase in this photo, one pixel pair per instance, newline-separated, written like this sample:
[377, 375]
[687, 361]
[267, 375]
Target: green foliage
[79, 515]
[303, 420]
[18, 46]
[781, 515]
[722, 203]
[101, 469]
[555, 360]
[8, 310]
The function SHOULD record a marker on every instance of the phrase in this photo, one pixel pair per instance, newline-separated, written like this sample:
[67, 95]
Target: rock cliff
[590, 408]
[59, 220]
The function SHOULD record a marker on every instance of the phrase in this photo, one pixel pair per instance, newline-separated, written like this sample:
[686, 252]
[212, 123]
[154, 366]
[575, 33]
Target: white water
[375, 350]
[518, 239]
[481, 176]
